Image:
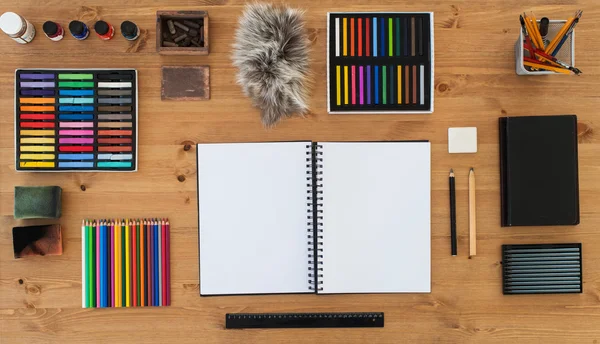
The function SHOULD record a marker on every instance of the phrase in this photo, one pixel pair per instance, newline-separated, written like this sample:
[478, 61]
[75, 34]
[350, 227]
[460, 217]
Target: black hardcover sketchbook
[538, 171]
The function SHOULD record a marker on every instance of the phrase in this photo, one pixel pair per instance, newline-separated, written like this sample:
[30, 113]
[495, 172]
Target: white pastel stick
[337, 36]
[113, 84]
[422, 82]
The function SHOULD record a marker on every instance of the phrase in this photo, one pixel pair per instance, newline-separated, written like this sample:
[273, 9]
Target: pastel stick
[114, 100]
[36, 76]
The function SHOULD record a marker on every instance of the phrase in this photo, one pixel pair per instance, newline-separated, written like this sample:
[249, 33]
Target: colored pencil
[97, 233]
[84, 296]
[102, 278]
[123, 265]
[112, 263]
[168, 261]
[134, 263]
[143, 264]
[164, 261]
[117, 263]
[90, 260]
[137, 261]
[159, 259]
[150, 266]
[156, 264]
[127, 265]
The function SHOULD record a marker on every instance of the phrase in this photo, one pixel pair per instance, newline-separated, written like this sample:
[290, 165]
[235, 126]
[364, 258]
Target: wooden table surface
[475, 83]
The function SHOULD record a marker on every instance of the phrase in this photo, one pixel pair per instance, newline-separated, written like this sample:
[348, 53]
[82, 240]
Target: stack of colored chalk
[184, 33]
[125, 263]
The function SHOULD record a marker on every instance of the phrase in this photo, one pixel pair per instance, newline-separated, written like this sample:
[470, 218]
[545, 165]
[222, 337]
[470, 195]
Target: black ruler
[303, 320]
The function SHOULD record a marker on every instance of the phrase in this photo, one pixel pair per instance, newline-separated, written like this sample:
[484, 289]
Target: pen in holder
[566, 53]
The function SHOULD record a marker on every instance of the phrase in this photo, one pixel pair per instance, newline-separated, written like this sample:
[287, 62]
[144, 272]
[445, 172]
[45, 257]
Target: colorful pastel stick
[37, 100]
[376, 72]
[390, 37]
[159, 258]
[367, 37]
[114, 149]
[414, 79]
[36, 116]
[76, 132]
[422, 84]
[84, 294]
[397, 36]
[382, 36]
[76, 140]
[37, 84]
[406, 87]
[75, 116]
[353, 85]
[168, 260]
[406, 34]
[374, 36]
[76, 124]
[338, 86]
[399, 84]
[384, 84]
[75, 92]
[75, 156]
[392, 81]
[114, 100]
[112, 263]
[344, 35]
[346, 85]
[337, 37]
[75, 164]
[75, 76]
[37, 125]
[73, 84]
[112, 84]
[369, 85]
[34, 76]
[97, 233]
[351, 36]
[412, 36]
[127, 265]
[113, 164]
[76, 100]
[37, 108]
[73, 108]
[360, 43]
[360, 82]
[37, 92]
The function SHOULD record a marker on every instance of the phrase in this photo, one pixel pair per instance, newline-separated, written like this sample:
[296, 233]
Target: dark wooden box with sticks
[182, 32]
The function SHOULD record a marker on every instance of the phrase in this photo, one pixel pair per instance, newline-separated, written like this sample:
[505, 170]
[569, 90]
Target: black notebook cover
[538, 170]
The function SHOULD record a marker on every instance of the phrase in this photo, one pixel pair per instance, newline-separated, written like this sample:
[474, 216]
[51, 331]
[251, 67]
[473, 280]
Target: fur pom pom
[271, 53]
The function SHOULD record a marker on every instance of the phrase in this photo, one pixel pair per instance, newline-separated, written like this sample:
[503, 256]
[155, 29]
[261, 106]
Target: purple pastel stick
[37, 76]
[37, 92]
[76, 140]
[360, 82]
[75, 132]
[368, 84]
[37, 84]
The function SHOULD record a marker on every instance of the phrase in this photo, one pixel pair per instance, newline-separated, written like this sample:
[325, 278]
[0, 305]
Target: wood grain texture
[475, 83]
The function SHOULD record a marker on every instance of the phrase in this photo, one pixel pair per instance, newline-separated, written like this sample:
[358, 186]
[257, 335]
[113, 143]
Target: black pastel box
[380, 62]
[76, 120]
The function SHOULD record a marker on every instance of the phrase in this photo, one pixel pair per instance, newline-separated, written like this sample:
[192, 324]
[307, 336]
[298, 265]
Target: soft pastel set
[76, 120]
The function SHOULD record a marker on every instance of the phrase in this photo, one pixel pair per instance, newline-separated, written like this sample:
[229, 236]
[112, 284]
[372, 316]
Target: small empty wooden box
[191, 33]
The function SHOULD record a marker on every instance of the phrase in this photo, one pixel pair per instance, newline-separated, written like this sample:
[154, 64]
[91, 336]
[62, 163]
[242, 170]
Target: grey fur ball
[271, 52]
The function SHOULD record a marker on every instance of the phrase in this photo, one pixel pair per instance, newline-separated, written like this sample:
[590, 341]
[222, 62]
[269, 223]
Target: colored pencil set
[76, 120]
[539, 52]
[125, 263]
[380, 62]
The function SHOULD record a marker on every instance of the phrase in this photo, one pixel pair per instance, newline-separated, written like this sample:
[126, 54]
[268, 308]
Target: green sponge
[37, 202]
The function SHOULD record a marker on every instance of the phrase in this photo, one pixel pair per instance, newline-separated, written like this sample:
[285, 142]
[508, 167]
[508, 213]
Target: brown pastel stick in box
[114, 132]
[114, 149]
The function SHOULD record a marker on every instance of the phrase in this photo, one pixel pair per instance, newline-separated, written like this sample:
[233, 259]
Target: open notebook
[299, 217]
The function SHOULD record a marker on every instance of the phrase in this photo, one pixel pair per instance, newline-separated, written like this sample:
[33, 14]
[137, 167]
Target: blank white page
[252, 218]
[376, 225]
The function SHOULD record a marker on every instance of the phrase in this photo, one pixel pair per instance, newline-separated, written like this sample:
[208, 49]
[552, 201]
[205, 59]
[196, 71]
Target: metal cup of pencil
[546, 46]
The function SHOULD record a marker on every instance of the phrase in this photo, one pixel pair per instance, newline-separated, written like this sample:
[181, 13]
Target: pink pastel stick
[112, 264]
[75, 132]
[76, 140]
[76, 124]
[97, 229]
[360, 82]
[353, 85]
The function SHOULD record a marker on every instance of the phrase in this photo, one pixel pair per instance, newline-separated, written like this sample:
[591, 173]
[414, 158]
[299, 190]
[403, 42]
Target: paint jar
[53, 31]
[79, 30]
[104, 30]
[17, 27]
[129, 30]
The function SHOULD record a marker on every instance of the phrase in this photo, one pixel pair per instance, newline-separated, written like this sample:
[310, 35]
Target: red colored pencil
[168, 259]
[134, 264]
[367, 37]
[163, 231]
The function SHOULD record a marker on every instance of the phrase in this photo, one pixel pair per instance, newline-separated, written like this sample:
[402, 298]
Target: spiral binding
[314, 165]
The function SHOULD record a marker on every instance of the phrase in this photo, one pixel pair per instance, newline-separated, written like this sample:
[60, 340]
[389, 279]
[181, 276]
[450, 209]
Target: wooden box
[161, 26]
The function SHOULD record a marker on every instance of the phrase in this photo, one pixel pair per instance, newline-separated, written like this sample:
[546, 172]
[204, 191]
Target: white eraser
[462, 140]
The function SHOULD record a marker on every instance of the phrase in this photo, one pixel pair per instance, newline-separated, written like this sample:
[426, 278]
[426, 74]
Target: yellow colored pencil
[127, 259]
[542, 66]
[536, 31]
